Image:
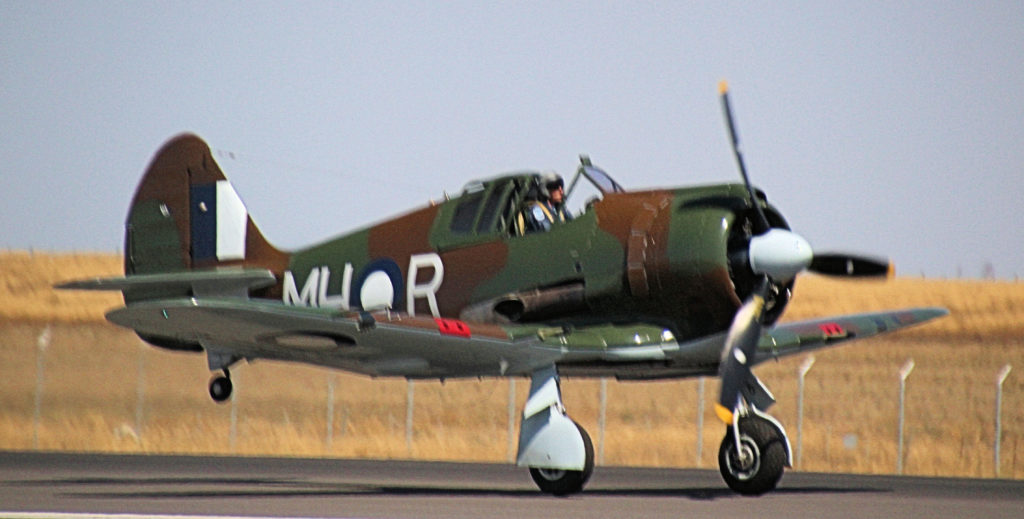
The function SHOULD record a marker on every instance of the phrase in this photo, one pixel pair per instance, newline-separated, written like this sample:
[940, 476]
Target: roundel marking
[378, 286]
[377, 292]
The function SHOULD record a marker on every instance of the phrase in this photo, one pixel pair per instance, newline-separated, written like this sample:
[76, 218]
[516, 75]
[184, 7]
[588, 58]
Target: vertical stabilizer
[186, 215]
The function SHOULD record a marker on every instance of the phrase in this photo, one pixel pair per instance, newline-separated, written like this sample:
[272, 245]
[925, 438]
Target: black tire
[220, 389]
[565, 482]
[764, 444]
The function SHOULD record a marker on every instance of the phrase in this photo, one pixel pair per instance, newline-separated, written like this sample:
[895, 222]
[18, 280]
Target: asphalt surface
[37, 485]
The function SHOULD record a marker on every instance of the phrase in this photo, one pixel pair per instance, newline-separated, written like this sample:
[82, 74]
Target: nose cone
[779, 254]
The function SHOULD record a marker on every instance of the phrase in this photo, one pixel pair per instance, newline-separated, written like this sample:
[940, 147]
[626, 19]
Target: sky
[893, 129]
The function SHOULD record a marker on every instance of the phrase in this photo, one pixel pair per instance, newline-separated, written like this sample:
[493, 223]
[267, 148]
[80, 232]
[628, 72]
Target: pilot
[549, 206]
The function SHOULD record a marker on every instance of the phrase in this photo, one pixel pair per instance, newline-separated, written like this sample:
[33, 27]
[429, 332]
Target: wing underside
[391, 344]
[376, 344]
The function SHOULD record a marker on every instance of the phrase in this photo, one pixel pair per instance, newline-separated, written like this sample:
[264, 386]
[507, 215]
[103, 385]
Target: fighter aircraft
[637, 285]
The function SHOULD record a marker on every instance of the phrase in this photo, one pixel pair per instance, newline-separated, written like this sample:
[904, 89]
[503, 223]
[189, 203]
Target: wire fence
[667, 416]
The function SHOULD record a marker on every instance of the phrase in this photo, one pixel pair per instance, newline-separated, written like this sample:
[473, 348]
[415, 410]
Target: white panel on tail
[231, 223]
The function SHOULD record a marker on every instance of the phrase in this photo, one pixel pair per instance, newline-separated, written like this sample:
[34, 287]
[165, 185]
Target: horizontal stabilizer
[199, 282]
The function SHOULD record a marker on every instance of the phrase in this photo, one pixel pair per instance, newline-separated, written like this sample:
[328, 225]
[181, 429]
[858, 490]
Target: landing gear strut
[754, 464]
[220, 387]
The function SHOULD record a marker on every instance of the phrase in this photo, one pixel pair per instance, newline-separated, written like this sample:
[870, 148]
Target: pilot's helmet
[549, 181]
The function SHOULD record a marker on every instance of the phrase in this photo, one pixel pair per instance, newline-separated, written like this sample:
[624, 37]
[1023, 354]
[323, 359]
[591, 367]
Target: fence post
[602, 415]
[804, 368]
[511, 419]
[408, 416]
[140, 392]
[234, 414]
[700, 420]
[331, 381]
[904, 373]
[1000, 378]
[42, 343]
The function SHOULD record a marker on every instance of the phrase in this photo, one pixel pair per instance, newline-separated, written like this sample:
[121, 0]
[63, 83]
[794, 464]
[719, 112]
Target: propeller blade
[762, 221]
[837, 264]
[739, 350]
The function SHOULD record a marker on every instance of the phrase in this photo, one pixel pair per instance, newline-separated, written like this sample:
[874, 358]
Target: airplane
[636, 285]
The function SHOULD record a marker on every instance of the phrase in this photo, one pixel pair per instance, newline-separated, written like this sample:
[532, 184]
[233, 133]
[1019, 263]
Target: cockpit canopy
[490, 207]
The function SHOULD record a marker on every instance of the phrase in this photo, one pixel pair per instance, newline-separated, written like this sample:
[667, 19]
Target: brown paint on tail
[173, 221]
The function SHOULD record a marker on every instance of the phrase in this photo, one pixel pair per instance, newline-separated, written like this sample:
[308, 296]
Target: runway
[34, 486]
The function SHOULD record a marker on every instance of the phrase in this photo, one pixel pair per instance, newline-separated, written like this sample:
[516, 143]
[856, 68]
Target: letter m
[307, 297]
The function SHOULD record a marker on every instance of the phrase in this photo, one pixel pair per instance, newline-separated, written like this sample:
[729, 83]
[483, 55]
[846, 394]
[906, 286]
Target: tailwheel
[757, 466]
[220, 387]
[564, 482]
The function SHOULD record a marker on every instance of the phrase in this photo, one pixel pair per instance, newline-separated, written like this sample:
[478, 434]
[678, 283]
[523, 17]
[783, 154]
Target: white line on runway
[75, 515]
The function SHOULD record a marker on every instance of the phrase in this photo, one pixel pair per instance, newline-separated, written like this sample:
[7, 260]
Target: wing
[803, 336]
[638, 351]
[376, 344]
[390, 344]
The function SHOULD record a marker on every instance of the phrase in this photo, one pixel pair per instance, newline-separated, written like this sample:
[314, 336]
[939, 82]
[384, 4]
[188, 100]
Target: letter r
[429, 289]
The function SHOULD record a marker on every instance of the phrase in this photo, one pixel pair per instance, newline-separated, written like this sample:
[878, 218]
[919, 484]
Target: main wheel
[564, 482]
[757, 467]
[220, 389]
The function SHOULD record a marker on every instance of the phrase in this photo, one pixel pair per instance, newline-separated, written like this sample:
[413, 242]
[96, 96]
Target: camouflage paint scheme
[655, 272]
[637, 285]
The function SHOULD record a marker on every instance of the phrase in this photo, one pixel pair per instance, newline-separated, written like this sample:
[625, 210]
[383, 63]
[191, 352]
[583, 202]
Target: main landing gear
[220, 387]
[561, 482]
[753, 464]
[556, 449]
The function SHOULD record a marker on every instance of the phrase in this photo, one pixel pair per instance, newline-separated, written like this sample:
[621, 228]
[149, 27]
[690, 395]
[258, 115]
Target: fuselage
[659, 257]
[644, 270]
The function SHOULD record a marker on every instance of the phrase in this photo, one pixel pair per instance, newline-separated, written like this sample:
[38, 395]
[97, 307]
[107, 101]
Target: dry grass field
[97, 388]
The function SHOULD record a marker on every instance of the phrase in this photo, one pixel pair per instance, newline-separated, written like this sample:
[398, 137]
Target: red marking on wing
[832, 330]
[453, 327]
